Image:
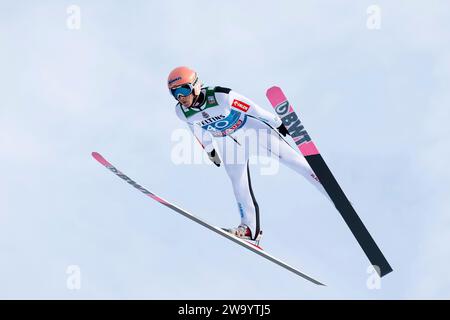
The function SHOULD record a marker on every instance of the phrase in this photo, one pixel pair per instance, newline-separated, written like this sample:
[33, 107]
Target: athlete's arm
[202, 136]
[245, 105]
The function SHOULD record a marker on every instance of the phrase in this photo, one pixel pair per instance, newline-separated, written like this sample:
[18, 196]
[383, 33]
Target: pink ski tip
[275, 95]
[97, 156]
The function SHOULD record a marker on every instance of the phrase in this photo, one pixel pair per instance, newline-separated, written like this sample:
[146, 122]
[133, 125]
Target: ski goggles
[183, 90]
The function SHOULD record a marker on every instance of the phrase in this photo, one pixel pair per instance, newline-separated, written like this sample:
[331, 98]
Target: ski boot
[243, 232]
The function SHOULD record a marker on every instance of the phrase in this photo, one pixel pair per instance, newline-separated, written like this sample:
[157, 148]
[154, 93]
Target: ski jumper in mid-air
[237, 125]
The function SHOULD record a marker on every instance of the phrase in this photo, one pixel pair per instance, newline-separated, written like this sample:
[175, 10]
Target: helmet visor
[184, 90]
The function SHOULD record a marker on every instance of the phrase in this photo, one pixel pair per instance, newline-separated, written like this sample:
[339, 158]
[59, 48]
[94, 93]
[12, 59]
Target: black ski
[323, 173]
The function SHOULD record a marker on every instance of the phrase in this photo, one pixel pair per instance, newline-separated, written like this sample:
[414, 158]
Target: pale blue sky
[375, 101]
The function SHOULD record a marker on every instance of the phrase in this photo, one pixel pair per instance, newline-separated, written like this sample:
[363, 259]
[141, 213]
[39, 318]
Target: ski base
[246, 244]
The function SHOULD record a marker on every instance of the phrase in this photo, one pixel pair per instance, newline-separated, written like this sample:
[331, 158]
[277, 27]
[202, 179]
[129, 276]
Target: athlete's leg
[234, 153]
[239, 175]
[271, 140]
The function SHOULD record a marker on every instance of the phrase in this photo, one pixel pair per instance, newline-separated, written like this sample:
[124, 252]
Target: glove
[282, 130]
[214, 157]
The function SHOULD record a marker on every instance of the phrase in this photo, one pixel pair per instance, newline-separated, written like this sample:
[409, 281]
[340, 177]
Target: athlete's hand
[282, 129]
[214, 157]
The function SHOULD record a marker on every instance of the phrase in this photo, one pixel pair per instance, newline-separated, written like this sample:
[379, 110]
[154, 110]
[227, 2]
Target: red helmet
[183, 81]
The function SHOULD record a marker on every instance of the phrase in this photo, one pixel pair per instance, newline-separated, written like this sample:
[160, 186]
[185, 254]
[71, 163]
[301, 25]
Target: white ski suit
[240, 129]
